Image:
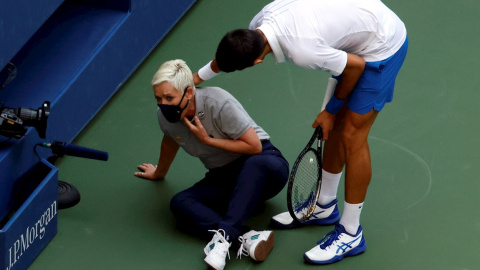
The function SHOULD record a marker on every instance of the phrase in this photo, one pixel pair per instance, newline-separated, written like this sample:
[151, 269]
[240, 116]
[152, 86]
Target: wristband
[206, 72]
[334, 105]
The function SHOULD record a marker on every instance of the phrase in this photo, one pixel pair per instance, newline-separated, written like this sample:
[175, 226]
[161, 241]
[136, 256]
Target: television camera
[13, 121]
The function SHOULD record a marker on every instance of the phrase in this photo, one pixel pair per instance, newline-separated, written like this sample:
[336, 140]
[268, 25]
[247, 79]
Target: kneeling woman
[244, 168]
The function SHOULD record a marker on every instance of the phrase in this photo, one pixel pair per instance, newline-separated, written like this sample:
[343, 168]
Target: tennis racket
[306, 176]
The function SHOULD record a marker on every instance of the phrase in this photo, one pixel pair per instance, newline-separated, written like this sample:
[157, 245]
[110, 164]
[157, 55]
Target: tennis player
[244, 167]
[361, 43]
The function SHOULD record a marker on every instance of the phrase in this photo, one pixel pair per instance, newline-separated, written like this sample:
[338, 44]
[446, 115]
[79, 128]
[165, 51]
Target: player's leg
[347, 237]
[373, 90]
[326, 211]
[358, 170]
[348, 234]
[333, 160]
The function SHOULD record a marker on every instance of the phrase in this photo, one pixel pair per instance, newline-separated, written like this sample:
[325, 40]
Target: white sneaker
[256, 244]
[217, 250]
[336, 245]
[322, 215]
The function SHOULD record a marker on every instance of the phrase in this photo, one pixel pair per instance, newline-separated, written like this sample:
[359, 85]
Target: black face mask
[173, 112]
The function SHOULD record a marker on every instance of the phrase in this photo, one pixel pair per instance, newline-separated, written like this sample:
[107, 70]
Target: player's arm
[168, 151]
[350, 76]
[248, 143]
[207, 72]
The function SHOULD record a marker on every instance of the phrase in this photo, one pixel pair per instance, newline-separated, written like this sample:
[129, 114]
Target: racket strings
[306, 181]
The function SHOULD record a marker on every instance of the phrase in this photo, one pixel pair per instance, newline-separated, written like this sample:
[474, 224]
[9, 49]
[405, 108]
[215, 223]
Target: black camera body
[13, 121]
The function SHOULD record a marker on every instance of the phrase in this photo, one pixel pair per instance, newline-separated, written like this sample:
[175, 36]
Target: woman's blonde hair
[177, 73]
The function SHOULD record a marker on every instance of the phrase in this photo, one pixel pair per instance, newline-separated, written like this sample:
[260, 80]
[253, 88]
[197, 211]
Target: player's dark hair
[238, 49]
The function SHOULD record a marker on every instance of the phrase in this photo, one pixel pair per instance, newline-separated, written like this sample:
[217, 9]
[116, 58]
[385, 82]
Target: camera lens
[13, 121]
[36, 118]
[27, 114]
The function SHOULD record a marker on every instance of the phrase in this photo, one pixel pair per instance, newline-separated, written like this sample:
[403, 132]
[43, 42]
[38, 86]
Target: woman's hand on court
[147, 171]
[325, 120]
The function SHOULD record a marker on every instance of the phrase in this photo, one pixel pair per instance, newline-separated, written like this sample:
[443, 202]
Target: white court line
[419, 159]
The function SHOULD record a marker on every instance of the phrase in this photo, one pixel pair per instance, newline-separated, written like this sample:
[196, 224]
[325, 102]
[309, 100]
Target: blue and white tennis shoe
[336, 245]
[322, 215]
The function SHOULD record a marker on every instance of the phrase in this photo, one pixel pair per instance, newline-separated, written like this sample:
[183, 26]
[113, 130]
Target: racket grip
[331, 84]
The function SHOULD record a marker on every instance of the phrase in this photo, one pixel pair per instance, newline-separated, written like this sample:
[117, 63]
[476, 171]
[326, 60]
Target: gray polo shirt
[222, 116]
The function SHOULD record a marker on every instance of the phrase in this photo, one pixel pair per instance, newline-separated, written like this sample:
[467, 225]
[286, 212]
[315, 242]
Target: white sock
[351, 217]
[328, 192]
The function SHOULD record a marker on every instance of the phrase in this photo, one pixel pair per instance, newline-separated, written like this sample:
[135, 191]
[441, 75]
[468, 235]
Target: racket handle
[331, 84]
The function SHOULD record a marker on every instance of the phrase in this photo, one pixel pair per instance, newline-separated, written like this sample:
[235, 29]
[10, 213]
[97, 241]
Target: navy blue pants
[227, 196]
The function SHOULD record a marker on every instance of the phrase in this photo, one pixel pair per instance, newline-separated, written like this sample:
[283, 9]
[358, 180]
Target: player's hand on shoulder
[196, 79]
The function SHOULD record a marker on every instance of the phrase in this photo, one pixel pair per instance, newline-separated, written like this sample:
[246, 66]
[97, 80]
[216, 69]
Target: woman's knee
[266, 163]
[257, 161]
[178, 202]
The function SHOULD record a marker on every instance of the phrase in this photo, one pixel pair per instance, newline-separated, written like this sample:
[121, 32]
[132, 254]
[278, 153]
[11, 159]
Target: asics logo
[344, 246]
[314, 215]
